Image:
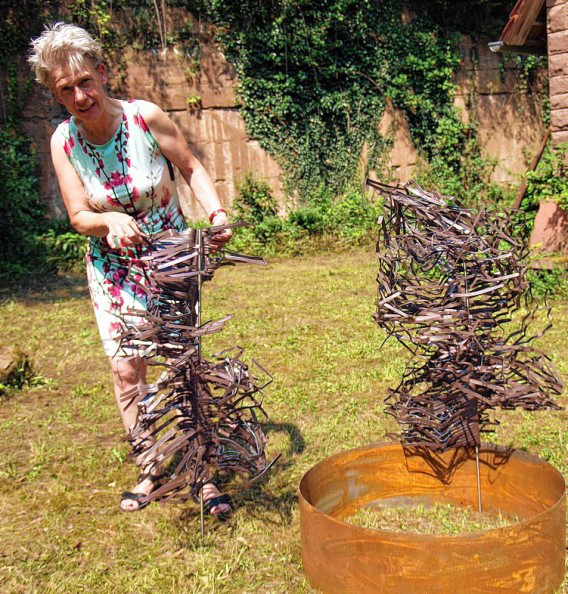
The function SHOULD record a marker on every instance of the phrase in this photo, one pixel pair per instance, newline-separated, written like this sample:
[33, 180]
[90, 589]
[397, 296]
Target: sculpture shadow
[259, 502]
[444, 466]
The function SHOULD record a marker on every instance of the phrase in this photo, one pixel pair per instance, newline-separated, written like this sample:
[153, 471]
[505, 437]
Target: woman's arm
[116, 226]
[175, 148]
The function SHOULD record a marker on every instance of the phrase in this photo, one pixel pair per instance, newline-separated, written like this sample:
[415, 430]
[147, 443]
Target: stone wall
[205, 108]
[509, 117]
[210, 122]
[557, 26]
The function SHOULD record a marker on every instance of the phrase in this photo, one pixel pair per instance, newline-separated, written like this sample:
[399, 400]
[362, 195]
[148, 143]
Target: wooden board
[521, 21]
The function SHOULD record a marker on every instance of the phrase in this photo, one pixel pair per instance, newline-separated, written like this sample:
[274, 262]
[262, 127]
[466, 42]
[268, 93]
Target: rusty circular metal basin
[526, 556]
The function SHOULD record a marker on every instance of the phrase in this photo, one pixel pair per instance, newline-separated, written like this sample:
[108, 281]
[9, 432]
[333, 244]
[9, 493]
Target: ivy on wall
[22, 211]
[314, 77]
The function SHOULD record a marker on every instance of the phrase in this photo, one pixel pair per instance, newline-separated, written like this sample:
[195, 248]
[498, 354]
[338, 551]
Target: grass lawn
[62, 462]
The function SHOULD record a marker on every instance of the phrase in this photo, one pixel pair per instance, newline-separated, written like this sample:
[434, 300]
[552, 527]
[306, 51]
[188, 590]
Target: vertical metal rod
[199, 246]
[477, 469]
[479, 506]
[201, 514]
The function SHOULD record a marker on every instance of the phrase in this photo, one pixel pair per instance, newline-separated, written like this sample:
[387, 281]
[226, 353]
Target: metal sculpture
[201, 415]
[452, 284]
[453, 290]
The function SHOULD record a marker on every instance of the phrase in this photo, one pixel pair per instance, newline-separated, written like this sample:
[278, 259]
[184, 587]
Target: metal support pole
[199, 247]
[477, 469]
[201, 514]
[479, 507]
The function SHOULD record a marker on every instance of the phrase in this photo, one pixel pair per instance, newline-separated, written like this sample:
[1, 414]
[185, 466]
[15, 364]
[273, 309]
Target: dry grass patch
[429, 519]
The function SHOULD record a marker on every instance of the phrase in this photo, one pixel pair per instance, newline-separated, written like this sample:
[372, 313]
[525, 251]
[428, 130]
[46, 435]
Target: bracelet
[215, 213]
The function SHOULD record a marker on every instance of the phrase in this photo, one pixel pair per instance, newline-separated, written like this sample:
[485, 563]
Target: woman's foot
[216, 508]
[134, 500]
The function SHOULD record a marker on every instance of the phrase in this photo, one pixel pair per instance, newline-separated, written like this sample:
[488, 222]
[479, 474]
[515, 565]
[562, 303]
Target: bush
[22, 212]
[309, 218]
[255, 201]
[546, 283]
[549, 181]
[322, 223]
[65, 248]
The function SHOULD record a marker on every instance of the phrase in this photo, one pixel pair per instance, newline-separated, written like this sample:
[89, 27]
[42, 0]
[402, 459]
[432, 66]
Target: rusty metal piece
[201, 415]
[451, 284]
[526, 556]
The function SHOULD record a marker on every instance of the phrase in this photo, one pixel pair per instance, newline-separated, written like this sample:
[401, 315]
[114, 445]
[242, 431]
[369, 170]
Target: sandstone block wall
[205, 108]
[557, 26]
[509, 116]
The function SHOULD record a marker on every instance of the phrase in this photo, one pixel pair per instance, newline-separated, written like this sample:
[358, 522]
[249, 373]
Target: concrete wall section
[218, 138]
[509, 117]
[167, 79]
[403, 157]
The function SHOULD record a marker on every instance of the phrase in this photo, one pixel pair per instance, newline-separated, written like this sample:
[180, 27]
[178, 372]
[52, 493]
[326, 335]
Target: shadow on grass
[297, 443]
[46, 288]
[269, 507]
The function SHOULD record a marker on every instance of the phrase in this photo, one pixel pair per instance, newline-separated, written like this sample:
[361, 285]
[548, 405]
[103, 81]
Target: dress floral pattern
[127, 174]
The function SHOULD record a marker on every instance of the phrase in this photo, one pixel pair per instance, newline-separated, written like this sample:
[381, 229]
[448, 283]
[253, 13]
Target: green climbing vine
[22, 211]
[314, 78]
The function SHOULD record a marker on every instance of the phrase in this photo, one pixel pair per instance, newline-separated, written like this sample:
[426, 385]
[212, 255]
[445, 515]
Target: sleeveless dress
[127, 174]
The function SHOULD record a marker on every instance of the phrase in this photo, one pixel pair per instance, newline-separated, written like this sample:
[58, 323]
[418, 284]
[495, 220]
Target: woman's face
[81, 91]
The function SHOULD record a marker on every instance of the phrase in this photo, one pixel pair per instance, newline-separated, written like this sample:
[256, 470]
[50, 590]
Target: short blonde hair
[62, 44]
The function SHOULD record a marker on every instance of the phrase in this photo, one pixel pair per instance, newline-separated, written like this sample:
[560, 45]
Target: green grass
[428, 519]
[62, 462]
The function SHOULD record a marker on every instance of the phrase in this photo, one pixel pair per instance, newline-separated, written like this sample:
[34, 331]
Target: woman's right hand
[123, 230]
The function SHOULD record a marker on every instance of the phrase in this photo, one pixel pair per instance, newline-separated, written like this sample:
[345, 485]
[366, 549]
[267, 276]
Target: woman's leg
[127, 373]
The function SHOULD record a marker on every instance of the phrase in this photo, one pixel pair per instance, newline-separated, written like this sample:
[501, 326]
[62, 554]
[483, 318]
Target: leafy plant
[545, 283]
[255, 200]
[65, 250]
[549, 181]
[21, 209]
[327, 222]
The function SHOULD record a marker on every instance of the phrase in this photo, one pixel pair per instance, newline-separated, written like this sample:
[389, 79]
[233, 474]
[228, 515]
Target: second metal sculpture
[453, 290]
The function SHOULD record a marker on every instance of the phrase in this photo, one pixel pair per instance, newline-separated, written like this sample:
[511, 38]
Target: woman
[112, 161]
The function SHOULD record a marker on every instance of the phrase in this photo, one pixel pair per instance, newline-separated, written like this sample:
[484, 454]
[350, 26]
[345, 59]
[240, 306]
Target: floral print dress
[127, 174]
